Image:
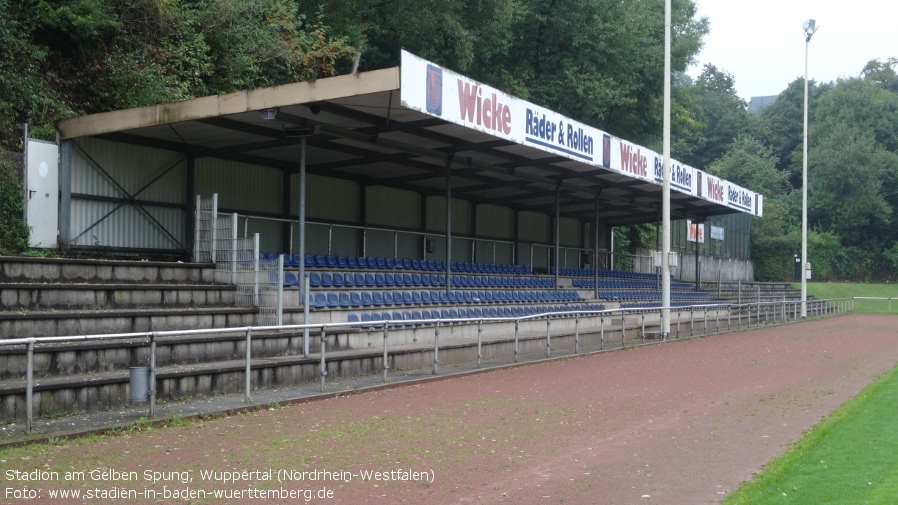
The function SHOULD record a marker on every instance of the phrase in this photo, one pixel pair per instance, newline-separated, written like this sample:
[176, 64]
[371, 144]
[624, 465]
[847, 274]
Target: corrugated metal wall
[495, 222]
[461, 215]
[240, 186]
[104, 172]
[570, 232]
[161, 176]
[328, 199]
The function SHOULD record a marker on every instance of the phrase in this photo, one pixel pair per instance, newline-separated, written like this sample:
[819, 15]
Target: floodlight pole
[665, 198]
[809, 29]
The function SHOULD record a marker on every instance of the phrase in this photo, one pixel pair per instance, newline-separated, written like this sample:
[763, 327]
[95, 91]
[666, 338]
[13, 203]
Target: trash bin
[140, 382]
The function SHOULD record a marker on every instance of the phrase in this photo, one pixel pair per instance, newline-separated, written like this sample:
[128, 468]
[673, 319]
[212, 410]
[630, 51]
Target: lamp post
[810, 27]
[665, 198]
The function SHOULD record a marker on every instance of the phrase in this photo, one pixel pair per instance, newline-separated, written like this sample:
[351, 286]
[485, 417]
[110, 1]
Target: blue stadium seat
[290, 279]
[425, 296]
[318, 300]
[338, 279]
[377, 297]
[343, 299]
[408, 298]
[355, 299]
[380, 262]
[388, 298]
[332, 299]
[327, 279]
[352, 318]
[358, 279]
[352, 262]
[367, 299]
[314, 279]
[390, 263]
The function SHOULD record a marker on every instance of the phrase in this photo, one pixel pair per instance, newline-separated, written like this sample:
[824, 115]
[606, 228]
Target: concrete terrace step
[45, 296]
[63, 270]
[91, 392]
[95, 322]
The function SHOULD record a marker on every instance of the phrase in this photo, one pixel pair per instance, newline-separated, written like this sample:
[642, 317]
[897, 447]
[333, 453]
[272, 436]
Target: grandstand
[394, 204]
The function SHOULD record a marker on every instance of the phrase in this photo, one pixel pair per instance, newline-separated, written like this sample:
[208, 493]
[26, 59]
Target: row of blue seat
[626, 284]
[379, 263]
[389, 279]
[649, 294]
[368, 319]
[379, 298]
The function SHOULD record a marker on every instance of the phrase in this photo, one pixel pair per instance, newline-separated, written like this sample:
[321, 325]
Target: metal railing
[639, 323]
[364, 231]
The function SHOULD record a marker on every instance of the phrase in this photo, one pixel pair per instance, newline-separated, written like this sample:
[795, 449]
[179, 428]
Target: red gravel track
[677, 423]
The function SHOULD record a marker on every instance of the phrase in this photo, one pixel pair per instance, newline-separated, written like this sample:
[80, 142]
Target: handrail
[752, 310]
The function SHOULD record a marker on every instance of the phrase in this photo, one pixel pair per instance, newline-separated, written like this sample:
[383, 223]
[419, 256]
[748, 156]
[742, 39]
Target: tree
[782, 124]
[716, 116]
[28, 93]
[750, 164]
[862, 104]
[882, 73]
[853, 186]
[596, 61]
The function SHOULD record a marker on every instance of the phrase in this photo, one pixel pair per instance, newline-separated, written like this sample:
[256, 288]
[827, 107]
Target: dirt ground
[676, 423]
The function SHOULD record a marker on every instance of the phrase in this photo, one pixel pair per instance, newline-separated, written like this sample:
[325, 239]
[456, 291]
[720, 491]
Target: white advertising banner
[695, 232]
[431, 89]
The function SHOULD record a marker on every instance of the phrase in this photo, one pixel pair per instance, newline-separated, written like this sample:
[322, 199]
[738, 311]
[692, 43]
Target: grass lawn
[850, 457]
[831, 290]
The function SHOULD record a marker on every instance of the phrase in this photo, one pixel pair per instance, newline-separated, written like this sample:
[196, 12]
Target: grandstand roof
[363, 129]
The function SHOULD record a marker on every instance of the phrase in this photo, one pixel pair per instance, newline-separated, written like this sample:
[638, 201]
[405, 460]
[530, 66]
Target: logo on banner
[434, 90]
[695, 232]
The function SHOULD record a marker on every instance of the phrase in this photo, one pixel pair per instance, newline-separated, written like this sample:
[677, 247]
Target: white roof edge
[232, 103]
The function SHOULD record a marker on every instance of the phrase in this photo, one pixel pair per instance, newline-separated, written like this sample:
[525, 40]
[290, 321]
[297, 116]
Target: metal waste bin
[140, 384]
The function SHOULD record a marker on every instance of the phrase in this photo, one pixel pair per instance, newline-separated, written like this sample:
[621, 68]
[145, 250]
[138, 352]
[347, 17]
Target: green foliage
[782, 124]
[27, 92]
[774, 258]
[853, 182]
[598, 62]
[750, 164]
[882, 73]
[13, 232]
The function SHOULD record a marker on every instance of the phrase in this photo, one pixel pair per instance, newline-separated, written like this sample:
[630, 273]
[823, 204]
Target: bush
[774, 257]
[13, 232]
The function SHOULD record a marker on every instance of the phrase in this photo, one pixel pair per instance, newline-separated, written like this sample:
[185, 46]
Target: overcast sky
[761, 42]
